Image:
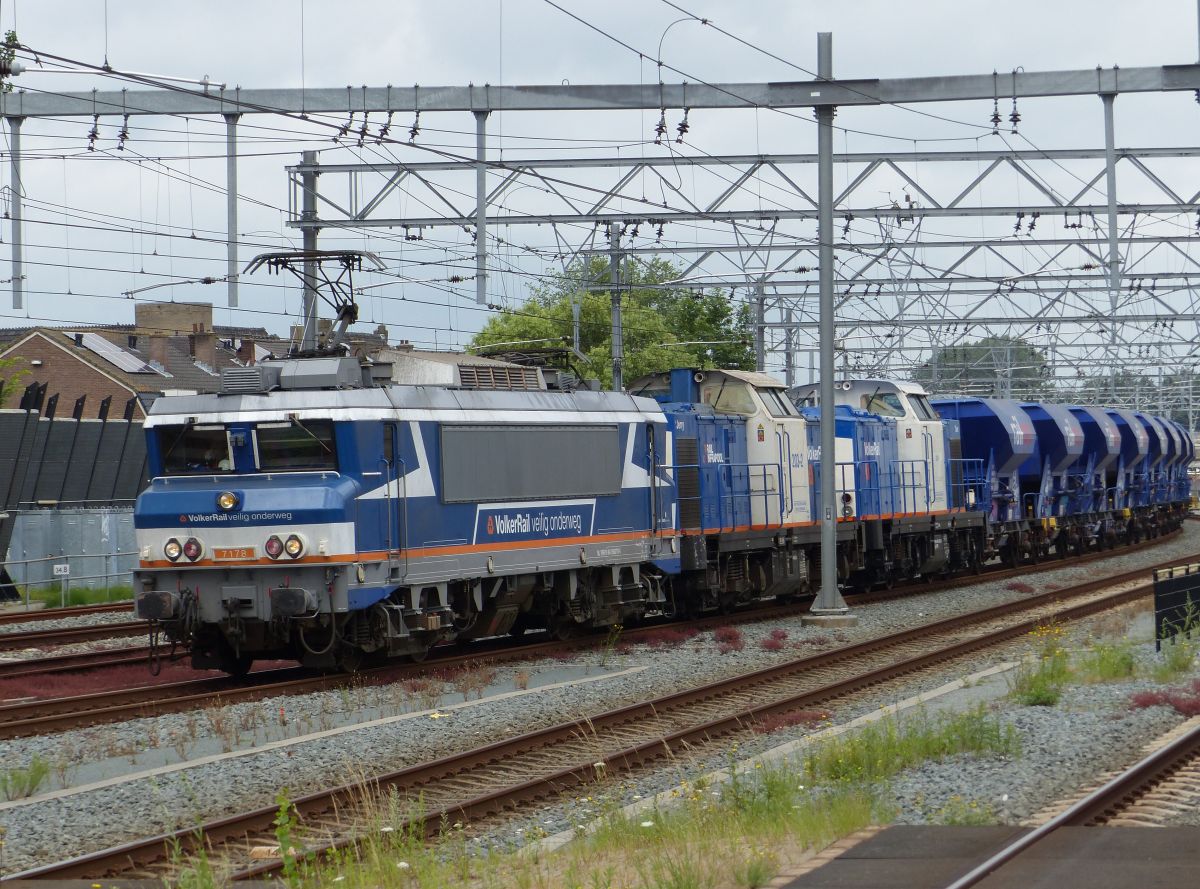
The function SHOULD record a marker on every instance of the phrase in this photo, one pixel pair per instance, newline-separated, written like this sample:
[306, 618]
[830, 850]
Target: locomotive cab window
[295, 445]
[923, 408]
[729, 397]
[194, 450]
[777, 404]
[884, 404]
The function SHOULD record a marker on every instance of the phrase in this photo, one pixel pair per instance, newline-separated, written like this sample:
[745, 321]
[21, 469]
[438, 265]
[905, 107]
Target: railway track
[45, 715]
[544, 763]
[68, 635]
[51, 664]
[1159, 786]
[23, 616]
[74, 663]
[53, 714]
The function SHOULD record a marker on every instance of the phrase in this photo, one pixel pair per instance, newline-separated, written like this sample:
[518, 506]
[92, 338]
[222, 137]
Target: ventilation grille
[486, 376]
[248, 380]
[687, 452]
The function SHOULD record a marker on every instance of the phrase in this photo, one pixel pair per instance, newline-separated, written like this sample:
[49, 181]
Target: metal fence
[96, 546]
[1176, 603]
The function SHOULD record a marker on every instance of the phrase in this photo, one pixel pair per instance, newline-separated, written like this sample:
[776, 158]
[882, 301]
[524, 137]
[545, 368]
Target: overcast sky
[104, 222]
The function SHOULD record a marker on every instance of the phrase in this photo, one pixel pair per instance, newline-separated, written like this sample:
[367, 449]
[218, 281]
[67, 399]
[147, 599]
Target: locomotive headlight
[294, 546]
[172, 549]
[193, 549]
[274, 547]
[227, 500]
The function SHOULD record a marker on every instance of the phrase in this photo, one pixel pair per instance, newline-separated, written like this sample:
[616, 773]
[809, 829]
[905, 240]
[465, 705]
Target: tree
[663, 327]
[12, 377]
[995, 366]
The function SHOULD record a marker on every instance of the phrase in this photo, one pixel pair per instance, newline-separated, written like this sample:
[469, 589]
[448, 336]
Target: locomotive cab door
[393, 503]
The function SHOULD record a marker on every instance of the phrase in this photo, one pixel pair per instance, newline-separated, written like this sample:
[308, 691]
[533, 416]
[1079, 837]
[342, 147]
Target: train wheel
[350, 660]
[419, 655]
[236, 665]
[562, 627]
[1009, 555]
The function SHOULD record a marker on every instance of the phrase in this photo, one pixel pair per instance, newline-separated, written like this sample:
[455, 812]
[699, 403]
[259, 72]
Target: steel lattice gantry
[911, 276]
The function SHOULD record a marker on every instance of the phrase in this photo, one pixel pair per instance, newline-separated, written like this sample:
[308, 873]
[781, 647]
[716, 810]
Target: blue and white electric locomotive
[306, 512]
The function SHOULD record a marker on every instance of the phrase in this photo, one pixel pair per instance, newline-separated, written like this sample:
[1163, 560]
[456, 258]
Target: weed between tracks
[733, 834]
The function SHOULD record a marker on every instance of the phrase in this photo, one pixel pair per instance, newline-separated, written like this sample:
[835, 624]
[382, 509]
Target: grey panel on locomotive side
[82, 467]
[482, 463]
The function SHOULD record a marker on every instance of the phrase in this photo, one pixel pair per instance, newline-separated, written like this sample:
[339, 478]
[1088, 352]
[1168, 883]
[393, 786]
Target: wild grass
[729, 639]
[734, 834]
[668, 637]
[1040, 684]
[885, 748]
[19, 783]
[1184, 701]
[51, 594]
[1177, 657]
[1106, 662]
[963, 812]
[1178, 644]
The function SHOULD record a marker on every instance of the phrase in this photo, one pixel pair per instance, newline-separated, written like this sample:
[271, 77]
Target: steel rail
[19, 617]
[74, 663]
[1097, 805]
[85, 633]
[43, 715]
[139, 854]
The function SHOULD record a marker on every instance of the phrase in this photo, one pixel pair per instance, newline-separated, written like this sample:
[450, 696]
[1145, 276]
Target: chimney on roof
[245, 351]
[203, 347]
[404, 346]
[158, 350]
[172, 319]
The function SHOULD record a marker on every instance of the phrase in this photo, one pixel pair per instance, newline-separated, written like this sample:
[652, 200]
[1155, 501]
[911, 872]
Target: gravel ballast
[46, 830]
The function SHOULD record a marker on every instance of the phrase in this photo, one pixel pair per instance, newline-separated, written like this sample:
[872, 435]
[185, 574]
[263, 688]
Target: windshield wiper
[309, 433]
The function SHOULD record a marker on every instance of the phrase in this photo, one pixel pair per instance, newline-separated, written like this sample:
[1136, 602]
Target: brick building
[170, 347]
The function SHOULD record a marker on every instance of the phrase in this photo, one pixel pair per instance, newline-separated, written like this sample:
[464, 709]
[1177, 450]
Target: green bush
[22, 783]
[1041, 684]
[1106, 662]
